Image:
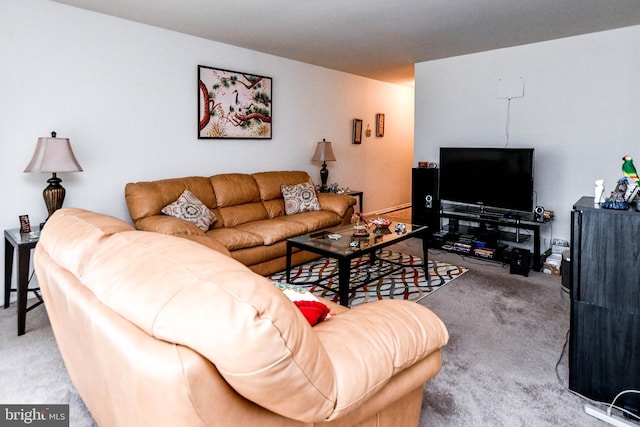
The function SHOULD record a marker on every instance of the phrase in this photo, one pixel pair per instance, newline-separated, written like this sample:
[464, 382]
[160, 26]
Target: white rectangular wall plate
[510, 87]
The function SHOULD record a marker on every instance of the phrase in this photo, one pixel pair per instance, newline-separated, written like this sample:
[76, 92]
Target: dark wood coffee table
[348, 247]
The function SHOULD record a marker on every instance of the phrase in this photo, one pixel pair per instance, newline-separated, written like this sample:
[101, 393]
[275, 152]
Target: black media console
[471, 230]
[486, 234]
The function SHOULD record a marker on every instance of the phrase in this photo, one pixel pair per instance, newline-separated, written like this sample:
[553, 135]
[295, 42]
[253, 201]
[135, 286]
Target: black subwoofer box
[520, 261]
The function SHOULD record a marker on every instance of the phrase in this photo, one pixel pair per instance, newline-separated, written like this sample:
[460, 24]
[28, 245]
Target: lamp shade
[324, 152]
[53, 155]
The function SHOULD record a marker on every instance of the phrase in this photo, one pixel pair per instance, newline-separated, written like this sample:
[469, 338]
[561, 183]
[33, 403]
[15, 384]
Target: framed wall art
[233, 105]
[379, 124]
[357, 131]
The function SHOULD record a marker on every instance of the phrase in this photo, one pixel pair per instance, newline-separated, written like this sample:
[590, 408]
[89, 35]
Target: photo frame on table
[233, 105]
[357, 131]
[380, 124]
[25, 224]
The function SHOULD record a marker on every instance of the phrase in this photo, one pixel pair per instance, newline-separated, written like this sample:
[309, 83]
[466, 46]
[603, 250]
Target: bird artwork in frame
[233, 105]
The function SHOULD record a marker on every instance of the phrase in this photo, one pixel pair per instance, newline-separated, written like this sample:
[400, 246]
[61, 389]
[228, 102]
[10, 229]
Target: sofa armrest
[375, 341]
[338, 203]
[166, 224]
[177, 227]
[209, 242]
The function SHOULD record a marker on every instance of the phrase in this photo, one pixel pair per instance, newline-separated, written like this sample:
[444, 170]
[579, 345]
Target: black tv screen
[491, 177]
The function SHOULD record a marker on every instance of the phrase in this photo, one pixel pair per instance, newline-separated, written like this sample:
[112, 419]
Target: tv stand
[484, 225]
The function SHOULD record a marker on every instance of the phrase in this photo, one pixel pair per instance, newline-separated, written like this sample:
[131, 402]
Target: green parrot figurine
[629, 170]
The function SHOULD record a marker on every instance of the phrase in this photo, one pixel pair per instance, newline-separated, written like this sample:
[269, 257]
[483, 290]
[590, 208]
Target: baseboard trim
[390, 209]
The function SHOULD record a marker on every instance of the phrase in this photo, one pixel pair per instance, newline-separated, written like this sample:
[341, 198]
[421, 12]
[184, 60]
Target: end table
[355, 193]
[13, 240]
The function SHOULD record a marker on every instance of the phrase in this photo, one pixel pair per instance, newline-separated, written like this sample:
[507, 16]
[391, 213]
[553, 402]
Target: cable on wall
[509, 88]
[508, 121]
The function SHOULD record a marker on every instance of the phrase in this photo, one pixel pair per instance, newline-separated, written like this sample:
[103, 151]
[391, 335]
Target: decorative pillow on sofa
[189, 208]
[308, 304]
[299, 198]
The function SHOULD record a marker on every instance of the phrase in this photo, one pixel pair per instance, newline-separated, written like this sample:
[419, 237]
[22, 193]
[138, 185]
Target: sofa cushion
[189, 208]
[269, 182]
[313, 221]
[234, 189]
[235, 215]
[300, 198]
[273, 230]
[234, 239]
[274, 208]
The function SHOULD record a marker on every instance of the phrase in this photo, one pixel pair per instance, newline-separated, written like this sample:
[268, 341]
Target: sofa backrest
[145, 199]
[234, 198]
[238, 198]
[269, 185]
[181, 292]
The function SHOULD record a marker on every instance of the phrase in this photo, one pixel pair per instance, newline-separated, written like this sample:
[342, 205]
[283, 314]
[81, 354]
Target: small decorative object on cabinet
[598, 192]
[629, 170]
[617, 198]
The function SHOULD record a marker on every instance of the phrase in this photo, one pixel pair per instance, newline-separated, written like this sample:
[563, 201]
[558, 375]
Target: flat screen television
[488, 177]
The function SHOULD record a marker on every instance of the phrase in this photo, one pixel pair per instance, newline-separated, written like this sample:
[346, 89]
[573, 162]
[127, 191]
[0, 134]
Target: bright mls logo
[34, 415]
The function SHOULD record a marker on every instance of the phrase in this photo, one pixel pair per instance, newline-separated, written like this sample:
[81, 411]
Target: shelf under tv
[489, 228]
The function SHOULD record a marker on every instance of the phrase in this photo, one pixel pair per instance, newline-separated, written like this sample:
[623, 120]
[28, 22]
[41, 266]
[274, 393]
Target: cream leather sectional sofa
[156, 330]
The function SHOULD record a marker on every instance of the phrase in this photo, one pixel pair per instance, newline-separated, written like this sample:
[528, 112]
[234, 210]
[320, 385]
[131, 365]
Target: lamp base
[53, 195]
[324, 175]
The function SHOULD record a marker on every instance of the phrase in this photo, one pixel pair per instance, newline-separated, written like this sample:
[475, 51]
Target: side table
[356, 193]
[23, 243]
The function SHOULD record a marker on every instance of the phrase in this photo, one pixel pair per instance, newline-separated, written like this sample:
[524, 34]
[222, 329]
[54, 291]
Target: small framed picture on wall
[357, 131]
[380, 124]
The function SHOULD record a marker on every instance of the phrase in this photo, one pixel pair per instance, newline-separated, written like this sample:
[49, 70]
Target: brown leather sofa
[157, 330]
[252, 225]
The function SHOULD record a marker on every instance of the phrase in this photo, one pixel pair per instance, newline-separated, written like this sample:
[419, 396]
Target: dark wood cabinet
[604, 347]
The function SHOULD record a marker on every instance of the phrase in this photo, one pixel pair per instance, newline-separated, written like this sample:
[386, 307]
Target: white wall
[126, 96]
[580, 111]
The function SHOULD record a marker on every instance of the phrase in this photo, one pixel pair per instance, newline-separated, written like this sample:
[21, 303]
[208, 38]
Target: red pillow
[313, 311]
[309, 305]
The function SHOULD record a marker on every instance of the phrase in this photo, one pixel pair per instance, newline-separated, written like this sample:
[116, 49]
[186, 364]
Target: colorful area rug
[409, 282]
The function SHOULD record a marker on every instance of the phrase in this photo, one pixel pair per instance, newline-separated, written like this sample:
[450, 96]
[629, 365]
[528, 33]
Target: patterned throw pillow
[299, 198]
[190, 208]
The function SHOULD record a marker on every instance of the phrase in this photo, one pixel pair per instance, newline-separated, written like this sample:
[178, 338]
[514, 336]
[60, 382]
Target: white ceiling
[374, 38]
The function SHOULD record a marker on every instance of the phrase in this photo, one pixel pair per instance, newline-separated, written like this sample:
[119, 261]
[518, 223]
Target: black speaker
[520, 262]
[538, 214]
[425, 199]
